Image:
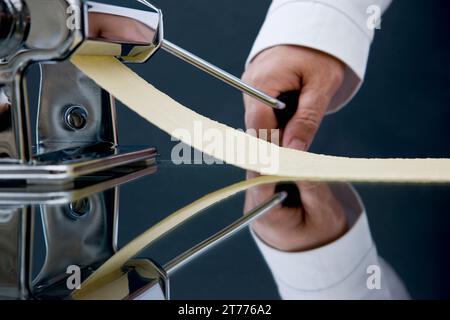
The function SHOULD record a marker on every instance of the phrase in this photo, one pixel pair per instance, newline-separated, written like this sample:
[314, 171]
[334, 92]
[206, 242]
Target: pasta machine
[69, 170]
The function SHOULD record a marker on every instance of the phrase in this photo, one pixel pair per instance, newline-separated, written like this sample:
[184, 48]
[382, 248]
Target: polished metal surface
[156, 281]
[135, 35]
[76, 117]
[59, 98]
[40, 34]
[50, 37]
[84, 239]
[65, 166]
[79, 227]
[76, 126]
[14, 26]
[38, 194]
[15, 135]
[16, 223]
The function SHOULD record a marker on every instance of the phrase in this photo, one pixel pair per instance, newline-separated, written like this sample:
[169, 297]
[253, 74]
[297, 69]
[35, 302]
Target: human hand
[280, 69]
[317, 220]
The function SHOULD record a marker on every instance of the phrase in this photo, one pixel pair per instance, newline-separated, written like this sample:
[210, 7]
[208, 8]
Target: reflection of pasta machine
[76, 153]
[76, 123]
[44, 233]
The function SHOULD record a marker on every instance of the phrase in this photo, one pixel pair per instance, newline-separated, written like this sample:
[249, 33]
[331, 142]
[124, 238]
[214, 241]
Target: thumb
[301, 129]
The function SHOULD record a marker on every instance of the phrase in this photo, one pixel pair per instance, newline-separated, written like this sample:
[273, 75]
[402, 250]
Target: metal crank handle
[221, 75]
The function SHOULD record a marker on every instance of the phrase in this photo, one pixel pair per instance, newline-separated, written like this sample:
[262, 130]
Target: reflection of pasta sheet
[111, 270]
[292, 165]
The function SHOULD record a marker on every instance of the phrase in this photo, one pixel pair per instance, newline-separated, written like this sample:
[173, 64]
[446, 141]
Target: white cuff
[327, 266]
[319, 25]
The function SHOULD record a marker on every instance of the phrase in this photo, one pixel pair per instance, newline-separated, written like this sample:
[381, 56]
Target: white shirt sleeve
[340, 28]
[339, 270]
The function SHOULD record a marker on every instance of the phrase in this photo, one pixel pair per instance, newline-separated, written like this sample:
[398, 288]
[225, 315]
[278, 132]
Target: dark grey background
[402, 111]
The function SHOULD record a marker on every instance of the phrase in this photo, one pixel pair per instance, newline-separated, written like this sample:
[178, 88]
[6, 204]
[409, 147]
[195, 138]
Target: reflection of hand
[117, 28]
[319, 221]
[4, 107]
[281, 69]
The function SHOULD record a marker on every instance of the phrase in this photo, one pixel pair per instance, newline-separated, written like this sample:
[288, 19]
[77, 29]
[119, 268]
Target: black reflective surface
[409, 224]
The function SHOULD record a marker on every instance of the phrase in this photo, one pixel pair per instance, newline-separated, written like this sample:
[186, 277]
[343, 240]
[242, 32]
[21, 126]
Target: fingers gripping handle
[290, 99]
